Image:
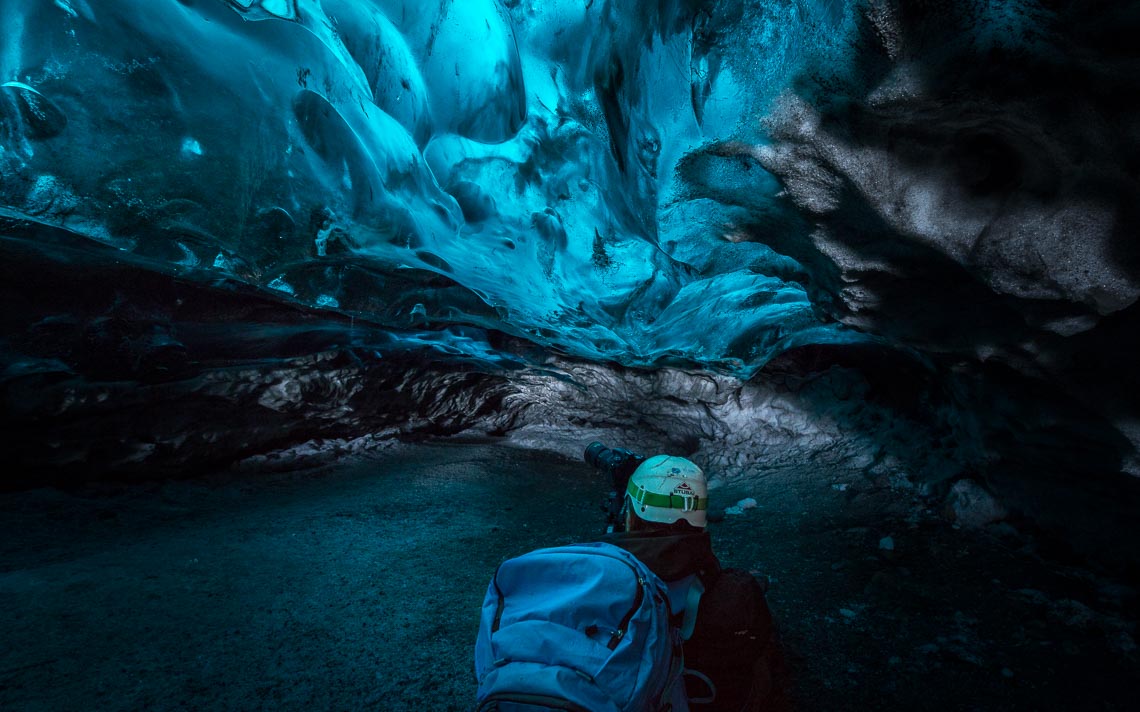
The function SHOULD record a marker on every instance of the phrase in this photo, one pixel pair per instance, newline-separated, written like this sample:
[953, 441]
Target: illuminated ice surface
[707, 184]
[556, 170]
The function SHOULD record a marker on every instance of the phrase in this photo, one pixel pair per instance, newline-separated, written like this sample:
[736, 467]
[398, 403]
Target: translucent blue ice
[575, 173]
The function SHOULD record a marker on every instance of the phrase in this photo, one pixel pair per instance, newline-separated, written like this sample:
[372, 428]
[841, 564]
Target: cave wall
[887, 236]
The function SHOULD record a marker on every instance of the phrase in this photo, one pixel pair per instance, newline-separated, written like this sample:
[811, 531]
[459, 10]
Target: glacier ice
[706, 182]
[557, 162]
[196, 193]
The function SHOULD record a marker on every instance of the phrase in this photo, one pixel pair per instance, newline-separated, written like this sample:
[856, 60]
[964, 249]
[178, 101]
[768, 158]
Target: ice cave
[312, 306]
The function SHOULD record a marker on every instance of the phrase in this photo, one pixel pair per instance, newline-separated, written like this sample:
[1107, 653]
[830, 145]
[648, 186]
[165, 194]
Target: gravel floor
[358, 586]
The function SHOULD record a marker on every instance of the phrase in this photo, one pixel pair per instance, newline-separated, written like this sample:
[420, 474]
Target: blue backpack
[581, 628]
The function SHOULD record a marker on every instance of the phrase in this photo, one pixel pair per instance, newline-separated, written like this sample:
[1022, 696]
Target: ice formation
[872, 264]
[572, 171]
[939, 199]
[659, 182]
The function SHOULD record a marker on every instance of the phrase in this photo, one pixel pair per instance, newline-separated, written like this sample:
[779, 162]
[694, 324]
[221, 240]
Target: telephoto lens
[595, 454]
[617, 462]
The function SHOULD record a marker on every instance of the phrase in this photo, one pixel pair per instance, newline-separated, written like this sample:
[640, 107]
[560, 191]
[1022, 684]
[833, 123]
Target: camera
[618, 463]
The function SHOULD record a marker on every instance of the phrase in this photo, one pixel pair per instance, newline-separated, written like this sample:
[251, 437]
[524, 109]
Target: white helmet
[665, 489]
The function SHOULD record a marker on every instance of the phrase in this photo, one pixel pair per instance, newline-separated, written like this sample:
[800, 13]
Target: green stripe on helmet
[668, 501]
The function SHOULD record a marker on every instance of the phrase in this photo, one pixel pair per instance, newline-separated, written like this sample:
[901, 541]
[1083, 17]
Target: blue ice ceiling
[580, 173]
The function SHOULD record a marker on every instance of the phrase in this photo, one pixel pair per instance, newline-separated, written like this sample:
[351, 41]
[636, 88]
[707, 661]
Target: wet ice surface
[359, 585]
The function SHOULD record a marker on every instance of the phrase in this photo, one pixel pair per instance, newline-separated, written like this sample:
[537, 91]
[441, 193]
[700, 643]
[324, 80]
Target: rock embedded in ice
[971, 506]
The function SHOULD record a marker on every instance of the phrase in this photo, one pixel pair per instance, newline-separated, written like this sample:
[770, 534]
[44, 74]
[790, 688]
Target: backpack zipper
[624, 625]
[502, 601]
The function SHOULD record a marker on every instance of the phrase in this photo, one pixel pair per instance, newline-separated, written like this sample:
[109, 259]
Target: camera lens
[595, 454]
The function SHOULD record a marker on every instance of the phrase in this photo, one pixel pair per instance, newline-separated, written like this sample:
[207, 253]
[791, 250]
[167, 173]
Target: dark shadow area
[358, 585]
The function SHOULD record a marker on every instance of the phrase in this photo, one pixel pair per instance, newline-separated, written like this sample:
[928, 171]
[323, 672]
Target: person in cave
[661, 518]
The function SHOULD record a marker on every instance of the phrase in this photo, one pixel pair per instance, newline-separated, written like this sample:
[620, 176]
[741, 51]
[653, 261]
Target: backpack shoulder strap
[692, 604]
[684, 601]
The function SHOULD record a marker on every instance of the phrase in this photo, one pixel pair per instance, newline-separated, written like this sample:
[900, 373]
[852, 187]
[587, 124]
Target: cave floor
[358, 585]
